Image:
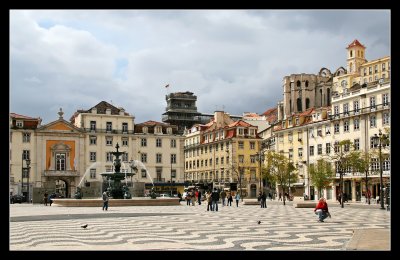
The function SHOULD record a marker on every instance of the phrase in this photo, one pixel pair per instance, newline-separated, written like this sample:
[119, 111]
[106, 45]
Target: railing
[88, 130]
[370, 86]
[362, 174]
[159, 180]
[360, 111]
[180, 108]
[54, 173]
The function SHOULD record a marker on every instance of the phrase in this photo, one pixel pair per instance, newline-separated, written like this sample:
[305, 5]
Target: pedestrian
[105, 200]
[322, 210]
[237, 198]
[45, 198]
[280, 196]
[259, 196]
[199, 197]
[188, 198]
[193, 196]
[215, 199]
[179, 196]
[263, 200]
[209, 200]
[223, 196]
[52, 196]
[230, 199]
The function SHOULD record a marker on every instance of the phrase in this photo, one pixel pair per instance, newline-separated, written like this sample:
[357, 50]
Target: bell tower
[355, 57]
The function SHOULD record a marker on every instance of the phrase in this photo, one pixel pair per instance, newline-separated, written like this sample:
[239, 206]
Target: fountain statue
[117, 191]
[78, 193]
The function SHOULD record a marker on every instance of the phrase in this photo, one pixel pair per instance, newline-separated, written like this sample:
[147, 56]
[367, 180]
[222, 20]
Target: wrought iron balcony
[55, 173]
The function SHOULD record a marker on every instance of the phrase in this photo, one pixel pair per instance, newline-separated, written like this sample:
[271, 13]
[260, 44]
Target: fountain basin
[116, 202]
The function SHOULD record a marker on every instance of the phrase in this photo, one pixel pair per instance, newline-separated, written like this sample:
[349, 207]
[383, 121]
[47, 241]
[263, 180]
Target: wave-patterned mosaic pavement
[193, 228]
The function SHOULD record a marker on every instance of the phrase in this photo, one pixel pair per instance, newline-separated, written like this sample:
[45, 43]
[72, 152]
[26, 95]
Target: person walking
[105, 200]
[45, 198]
[209, 200]
[188, 198]
[237, 198]
[322, 210]
[223, 196]
[193, 196]
[215, 199]
[263, 200]
[230, 199]
[199, 197]
[51, 197]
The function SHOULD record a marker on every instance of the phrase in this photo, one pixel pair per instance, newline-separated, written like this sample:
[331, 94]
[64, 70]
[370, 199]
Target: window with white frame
[319, 147]
[386, 118]
[376, 68]
[173, 173]
[327, 148]
[311, 150]
[385, 99]
[346, 108]
[241, 158]
[124, 141]
[125, 157]
[336, 110]
[374, 164]
[93, 140]
[372, 121]
[158, 142]
[327, 129]
[336, 128]
[60, 161]
[19, 123]
[346, 126]
[281, 138]
[252, 145]
[300, 152]
[346, 147]
[109, 157]
[143, 157]
[125, 127]
[109, 140]
[173, 143]
[241, 145]
[383, 66]
[92, 173]
[252, 132]
[373, 142]
[109, 126]
[357, 144]
[356, 123]
[240, 131]
[92, 156]
[372, 102]
[336, 147]
[26, 137]
[290, 137]
[93, 125]
[145, 129]
[356, 106]
[143, 142]
[173, 158]
[210, 161]
[386, 164]
[158, 158]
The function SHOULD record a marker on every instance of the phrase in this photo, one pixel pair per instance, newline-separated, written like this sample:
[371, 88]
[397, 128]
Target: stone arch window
[299, 108]
[298, 83]
[351, 54]
[60, 157]
[306, 83]
[307, 103]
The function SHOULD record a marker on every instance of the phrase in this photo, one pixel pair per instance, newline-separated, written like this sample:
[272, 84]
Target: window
[173, 173]
[374, 164]
[143, 157]
[26, 137]
[300, 151]
[376, 68]
[346, 147]
[159, 158]
[372, 121]
[386, 118]
[373, 142]
[346, 108]
[124, 141]
[356, 106]
[173, 158]
[109, 140]
[210, 162]
[336, 128]
[210, 148]
[143, 173]
[327, 130]
[252, 145]
[383, 66]
[337, 146]
[311, 150]
[336, 110]
[222, 160]
[328, 148]
[385, 99]
[386, 164]
[109, 157]
[19, 123]
[216, 161]
[344, 83]
[93, 140]
[346, 126]
[241, 158]
[93, 125]
[92, 156]
[109, 126]
[60, 161]
[241, 131]
[173, 143]
[319, 149]
[252, 158]
[124, 127]
[145, 129]
[281, 138]
[158, 142]
[370, 70]
[365, 71]
[357, 144]
[372, 102]
[143, 142]
[92, 173]
[241, 145]
[125, 157]
[290, 137]
[222, 146]
[297, 121]
[290, 154]
[227, 159]
[356, 122]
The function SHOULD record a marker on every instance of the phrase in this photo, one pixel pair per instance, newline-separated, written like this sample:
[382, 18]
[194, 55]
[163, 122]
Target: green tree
[363, 164]
[321, 174]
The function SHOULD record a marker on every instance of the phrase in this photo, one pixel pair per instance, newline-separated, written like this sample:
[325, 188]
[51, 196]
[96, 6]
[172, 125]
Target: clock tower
[355, 57]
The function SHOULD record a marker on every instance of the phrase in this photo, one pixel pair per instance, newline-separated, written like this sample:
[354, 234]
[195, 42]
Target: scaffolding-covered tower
[181, 110]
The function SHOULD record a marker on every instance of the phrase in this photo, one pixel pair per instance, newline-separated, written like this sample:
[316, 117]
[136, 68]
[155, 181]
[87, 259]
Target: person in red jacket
[322, 210]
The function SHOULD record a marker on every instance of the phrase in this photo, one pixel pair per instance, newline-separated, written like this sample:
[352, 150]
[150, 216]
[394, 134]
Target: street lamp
[381, 138]
[260, 158]
[25, 173]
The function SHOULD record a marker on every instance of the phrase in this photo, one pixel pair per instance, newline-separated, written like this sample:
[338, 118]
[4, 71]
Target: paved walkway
[37, 227]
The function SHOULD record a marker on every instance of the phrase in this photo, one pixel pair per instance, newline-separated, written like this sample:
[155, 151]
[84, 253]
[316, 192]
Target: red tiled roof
[307, 112]
[355, 43]
[151, 122]
[270, 111]
[14, 115]
[239, 123]
[271, 118]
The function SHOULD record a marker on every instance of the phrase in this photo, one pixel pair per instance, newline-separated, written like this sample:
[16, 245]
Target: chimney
[219, 118]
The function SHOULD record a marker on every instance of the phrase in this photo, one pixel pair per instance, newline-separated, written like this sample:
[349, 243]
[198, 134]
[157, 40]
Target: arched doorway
[253, 191]
[61, 188]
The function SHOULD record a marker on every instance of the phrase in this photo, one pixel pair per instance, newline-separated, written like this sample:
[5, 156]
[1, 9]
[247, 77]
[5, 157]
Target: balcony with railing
[113, 131]
[55, 173]
[360, 111]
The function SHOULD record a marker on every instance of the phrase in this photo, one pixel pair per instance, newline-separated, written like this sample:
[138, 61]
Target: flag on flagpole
[167, 86]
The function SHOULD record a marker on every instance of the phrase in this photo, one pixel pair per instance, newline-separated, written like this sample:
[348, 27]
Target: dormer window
[158, 129]
[169, 130]
[19, 123]
[145, 130]
[240, 131]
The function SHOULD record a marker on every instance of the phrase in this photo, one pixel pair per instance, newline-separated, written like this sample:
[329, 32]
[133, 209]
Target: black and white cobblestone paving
[188, 228]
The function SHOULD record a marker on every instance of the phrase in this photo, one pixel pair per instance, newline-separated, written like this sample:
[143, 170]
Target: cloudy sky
[233, 60]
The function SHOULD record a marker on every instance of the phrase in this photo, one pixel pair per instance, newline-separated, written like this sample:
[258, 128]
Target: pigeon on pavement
[84, 226]
[259, 222]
